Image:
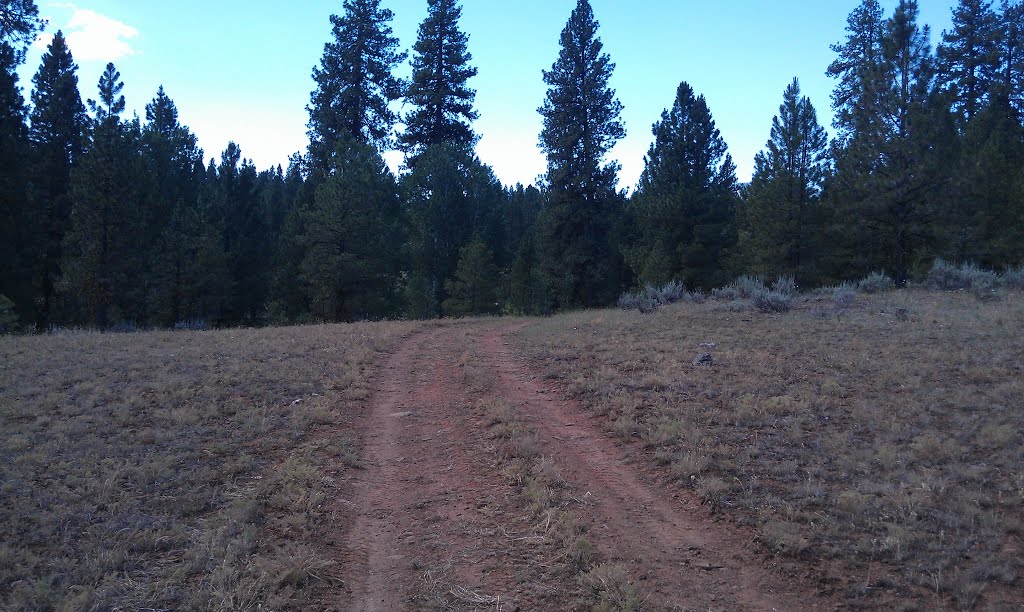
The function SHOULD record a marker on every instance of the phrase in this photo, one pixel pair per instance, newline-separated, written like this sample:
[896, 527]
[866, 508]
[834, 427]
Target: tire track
[685, 560]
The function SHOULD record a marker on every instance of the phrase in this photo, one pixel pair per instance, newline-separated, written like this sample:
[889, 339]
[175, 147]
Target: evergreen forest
[113, 222]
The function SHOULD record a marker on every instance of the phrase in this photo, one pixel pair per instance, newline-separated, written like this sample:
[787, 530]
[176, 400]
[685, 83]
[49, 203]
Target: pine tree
[439, 92]
[476, 286]
[58, 132]
[174, 228]
[1008, 88]
[782, 216]
[888, 166]
[351, 244]
[355, 82]
[19, 25]
[15, 220]
[968, 57]
[581, 124]
[860, 69]
[985, 222]
[102, 266]
[451, 198]
[686, 200]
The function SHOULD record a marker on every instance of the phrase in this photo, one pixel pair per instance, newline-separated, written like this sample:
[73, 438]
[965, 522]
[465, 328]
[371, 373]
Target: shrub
[124, 327]
[773, 301]
[945, 276]
[844, 294]
[652, 297]
[725, 294]
[1013, 278]
[877, 282]
[749, 286]
[786, 285]
[191, 325]
[671, 292]
[638, 301]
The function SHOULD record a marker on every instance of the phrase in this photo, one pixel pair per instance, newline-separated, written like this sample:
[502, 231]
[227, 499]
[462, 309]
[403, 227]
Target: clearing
[866, 456]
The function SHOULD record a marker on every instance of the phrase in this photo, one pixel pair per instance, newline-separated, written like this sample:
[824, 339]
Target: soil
[437, 525]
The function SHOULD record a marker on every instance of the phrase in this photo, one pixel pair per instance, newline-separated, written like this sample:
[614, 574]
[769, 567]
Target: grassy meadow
[874, 442]
[176, 470]
[878, 441]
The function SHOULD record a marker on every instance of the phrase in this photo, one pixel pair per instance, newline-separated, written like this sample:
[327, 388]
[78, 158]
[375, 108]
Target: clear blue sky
[240, 70]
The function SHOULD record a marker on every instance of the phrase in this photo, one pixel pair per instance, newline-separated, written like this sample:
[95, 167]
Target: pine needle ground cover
[176, 470]
[876, 446]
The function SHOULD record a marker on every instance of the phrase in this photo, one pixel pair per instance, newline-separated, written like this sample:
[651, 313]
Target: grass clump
[608, 588]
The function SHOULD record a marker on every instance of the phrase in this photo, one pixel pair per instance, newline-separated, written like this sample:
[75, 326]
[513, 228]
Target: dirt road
[438, 525]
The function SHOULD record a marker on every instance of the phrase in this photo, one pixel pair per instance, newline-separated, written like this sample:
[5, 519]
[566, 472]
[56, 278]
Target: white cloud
[93, 37]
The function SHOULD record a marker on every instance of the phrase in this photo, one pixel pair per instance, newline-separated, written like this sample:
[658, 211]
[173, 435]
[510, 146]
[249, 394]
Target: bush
[669, 293]
[1013, 278]
[651, 297]
[945, 276]
[191, 325]
[844, 294]
[773, 301]
[725, 294]
[749, 286]
[877, 282]
[786, 285]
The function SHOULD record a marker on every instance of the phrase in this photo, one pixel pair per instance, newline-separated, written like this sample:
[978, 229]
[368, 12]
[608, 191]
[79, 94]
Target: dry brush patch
[176, 470]
[880, 443]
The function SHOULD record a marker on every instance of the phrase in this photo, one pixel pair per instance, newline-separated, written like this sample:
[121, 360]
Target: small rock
[708, 345]
[704, 359]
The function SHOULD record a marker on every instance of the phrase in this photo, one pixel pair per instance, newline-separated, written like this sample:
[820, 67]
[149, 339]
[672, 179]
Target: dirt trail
[434, 514]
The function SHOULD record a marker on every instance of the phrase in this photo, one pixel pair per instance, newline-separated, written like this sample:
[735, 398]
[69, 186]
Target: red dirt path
[436, 523]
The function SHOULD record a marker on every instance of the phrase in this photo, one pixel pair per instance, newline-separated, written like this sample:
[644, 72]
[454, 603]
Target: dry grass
[183, 470]
[880, 444]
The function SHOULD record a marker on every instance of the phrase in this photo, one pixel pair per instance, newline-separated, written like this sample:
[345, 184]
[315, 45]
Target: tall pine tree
[14, 215]
[686, 200]
[351, 259]
[355, 82]
[860, 69]
[439, 90]
[888, 164]
[451, 198]
[103, 265]
[782, 213]
[19, 25]
[1008, 88]
[58, 133]
[581, 124]
[968, 57]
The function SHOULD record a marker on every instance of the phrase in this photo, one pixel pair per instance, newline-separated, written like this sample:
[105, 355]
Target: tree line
[110, 221]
